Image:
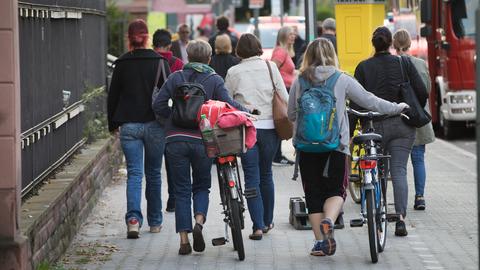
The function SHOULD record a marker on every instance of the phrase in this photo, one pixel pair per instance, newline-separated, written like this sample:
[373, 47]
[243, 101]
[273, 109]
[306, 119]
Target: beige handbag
[283, 126]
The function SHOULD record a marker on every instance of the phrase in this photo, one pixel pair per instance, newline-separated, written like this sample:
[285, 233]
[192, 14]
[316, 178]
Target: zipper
[332, 115]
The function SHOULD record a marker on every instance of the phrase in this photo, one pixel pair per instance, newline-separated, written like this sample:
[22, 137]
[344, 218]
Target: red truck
[449, 27]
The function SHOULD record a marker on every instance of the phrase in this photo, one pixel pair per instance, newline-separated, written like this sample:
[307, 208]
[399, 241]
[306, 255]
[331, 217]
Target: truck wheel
[448, 128]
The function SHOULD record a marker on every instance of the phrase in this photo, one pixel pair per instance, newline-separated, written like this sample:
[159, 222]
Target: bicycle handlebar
[371, 114]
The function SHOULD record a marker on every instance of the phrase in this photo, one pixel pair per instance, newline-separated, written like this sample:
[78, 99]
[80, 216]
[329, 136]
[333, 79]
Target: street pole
[256, 14]
[477, 131]
[281, 13]
[310, 20]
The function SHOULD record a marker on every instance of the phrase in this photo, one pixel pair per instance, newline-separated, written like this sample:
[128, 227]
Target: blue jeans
[141, 141]
[181, 156]
[257, 168]
[419, 174]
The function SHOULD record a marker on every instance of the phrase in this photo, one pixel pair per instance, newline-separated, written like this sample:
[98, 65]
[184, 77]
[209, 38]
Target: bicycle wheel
[372, 229]
[355, 193]
[382, 217]
[236, 227]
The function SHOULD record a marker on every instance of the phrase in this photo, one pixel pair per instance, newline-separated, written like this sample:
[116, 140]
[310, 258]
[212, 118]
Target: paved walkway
[442, 237]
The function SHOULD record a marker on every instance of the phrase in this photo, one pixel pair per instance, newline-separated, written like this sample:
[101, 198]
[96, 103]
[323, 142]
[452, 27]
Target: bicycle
[373, 171]
[230, 143]
[354, 181]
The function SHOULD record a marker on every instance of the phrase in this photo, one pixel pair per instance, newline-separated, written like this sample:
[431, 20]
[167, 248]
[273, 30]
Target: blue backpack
[317, 124]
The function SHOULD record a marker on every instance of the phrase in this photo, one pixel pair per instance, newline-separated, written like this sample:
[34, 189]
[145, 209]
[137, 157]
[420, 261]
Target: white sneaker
[133, 228]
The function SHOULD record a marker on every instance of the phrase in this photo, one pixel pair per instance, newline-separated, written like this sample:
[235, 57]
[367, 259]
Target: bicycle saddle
[367, 137]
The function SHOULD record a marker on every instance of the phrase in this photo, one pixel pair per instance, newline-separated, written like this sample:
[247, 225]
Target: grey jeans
[398, 140]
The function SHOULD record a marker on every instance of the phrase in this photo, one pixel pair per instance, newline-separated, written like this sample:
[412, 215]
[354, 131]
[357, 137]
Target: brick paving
[442, 237]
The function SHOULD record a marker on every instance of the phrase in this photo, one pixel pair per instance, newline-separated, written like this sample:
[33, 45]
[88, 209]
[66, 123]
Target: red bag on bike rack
[213, 109]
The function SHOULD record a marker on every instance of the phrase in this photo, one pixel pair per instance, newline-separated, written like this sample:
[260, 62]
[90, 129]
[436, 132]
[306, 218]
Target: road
[442, 237]
[466, 141]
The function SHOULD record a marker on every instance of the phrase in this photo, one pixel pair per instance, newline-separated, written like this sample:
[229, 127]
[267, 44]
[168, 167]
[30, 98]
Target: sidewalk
[442, 237]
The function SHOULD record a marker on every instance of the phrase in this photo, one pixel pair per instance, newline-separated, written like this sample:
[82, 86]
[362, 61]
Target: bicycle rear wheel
[381, 219]
[236, 227]
[372, 229]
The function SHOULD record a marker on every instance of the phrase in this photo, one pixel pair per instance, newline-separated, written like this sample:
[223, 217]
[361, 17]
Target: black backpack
[188, 97]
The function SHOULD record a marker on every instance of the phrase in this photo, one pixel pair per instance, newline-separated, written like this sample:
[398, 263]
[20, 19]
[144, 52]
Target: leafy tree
[117, 21]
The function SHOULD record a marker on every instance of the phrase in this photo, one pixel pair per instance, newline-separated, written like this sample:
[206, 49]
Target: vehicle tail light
[368, 164]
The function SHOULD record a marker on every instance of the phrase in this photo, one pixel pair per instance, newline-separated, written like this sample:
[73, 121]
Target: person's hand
[115, 132]
[405, 107]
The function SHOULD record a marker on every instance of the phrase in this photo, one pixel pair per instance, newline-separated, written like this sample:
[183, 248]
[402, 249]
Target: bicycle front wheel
[355, 193]
[372, 228]
[236, 227]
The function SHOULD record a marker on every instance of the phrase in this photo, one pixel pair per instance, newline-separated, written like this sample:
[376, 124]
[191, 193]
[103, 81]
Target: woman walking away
[323, 171]
[185, 149]
[381, 74]
[249, 83]
[425, 134]
[282, 56]
[141, 136]
[223, 58]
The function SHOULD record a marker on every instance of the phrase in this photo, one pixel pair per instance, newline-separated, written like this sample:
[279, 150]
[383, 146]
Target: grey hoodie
[346, 87]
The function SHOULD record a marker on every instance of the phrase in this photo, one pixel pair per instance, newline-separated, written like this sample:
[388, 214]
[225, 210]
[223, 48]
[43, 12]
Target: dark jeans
[398, 140]
[139, 141]
[278, 152]
[257, 168]
[183, 156]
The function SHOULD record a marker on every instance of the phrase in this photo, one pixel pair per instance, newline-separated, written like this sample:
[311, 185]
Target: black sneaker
[170, 205]
[401, 228]
[339, 222]
[419, 203]
[283, 162]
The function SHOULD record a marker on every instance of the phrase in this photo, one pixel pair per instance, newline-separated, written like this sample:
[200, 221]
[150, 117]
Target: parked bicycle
[373, 171]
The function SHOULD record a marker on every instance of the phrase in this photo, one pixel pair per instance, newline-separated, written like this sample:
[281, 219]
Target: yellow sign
[156, 20]
[356, 20]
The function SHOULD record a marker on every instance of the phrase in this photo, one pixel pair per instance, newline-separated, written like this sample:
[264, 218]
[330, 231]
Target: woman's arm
[221, 93]
[160, 104]
[367, 100]
[292, 100]
[113, 97]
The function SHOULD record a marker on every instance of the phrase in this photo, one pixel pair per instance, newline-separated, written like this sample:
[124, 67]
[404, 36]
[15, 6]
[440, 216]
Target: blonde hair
[223, 44]
[320, 52]
[402, 40]
[199, 51]
[282, 39]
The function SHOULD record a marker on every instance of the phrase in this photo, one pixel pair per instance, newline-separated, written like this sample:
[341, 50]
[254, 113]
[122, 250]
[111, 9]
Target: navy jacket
[214, 88]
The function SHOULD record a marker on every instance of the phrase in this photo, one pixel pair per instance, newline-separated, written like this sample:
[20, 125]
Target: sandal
[268, 228]
[255, 236]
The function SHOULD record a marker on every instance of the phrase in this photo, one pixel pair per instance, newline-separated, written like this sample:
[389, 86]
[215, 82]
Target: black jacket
[130, 93]
[222, 62]
[381, 75]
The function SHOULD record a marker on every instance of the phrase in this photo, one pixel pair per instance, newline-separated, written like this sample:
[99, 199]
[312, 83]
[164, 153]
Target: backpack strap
[208, 76]
[332, 80]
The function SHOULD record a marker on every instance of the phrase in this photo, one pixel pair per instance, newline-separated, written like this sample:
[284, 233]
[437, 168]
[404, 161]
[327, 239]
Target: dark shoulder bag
[418, 117]
[156, 88]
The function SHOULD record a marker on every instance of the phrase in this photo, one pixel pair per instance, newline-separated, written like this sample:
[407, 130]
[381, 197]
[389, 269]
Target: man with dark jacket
[329, 31]
[222, 28]
[179, 47]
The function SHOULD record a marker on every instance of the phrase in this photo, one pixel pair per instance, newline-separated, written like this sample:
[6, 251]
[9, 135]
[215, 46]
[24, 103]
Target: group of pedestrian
[232, 70]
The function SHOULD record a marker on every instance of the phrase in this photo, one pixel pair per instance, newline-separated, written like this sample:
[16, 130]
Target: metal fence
[62, 53]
